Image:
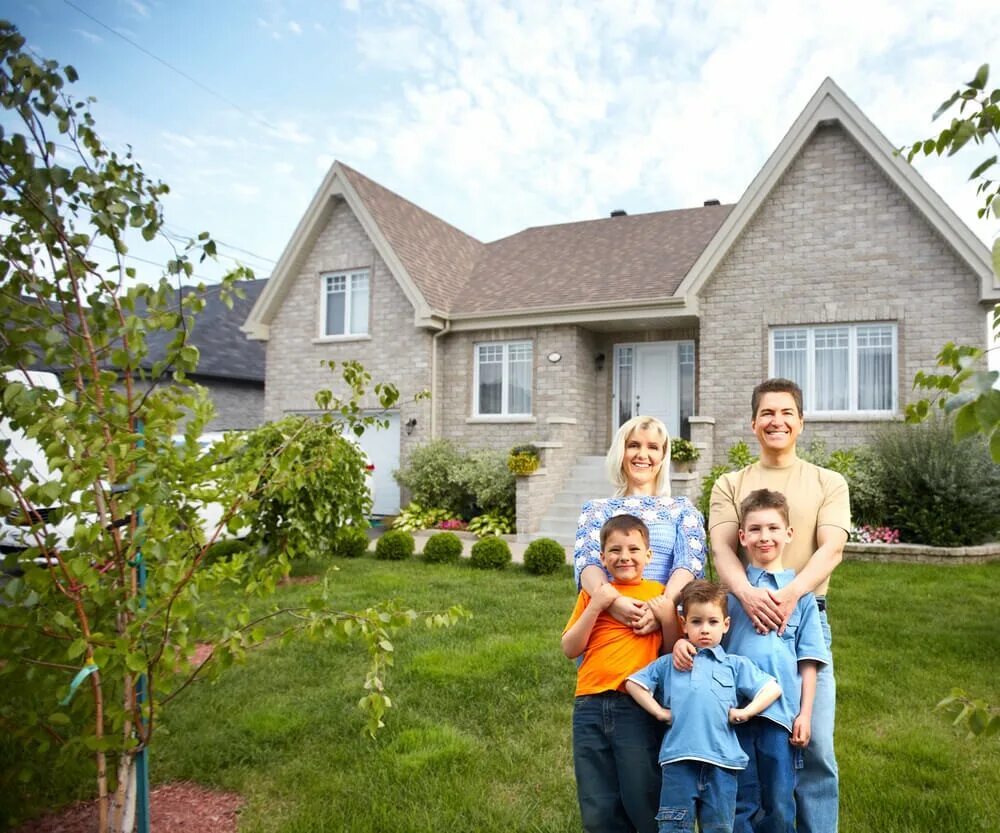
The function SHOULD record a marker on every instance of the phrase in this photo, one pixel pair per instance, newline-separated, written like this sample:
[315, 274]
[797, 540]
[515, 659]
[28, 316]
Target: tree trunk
[122, 816]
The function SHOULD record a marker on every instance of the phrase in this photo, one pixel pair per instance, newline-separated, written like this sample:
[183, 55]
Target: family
[698, 702]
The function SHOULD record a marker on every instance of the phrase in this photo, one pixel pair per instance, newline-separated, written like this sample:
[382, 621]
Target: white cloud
[246, 192]
[289, 131]
[89, 36]
[294, 27]
[139, 8]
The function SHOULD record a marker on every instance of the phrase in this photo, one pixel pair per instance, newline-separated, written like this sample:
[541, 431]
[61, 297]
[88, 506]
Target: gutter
[434, 375]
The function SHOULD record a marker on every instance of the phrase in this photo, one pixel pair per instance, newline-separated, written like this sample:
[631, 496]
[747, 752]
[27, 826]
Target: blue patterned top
[676, 534]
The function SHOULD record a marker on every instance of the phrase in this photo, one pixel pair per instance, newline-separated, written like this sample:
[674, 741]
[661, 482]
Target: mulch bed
[174, 808]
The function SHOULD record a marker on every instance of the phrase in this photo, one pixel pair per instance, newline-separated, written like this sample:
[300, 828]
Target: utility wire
[172, 68]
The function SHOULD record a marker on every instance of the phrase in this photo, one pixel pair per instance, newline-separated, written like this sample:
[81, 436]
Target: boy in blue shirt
[765, 799]
[700, 755]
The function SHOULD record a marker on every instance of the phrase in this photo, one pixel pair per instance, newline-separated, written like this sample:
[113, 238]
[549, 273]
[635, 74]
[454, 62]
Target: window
[503, 379]
[344, 303]
[842, 368]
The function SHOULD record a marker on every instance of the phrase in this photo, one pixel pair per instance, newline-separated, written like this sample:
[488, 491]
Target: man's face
[777, 422]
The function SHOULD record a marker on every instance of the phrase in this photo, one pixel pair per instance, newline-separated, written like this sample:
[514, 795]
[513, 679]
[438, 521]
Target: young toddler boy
[765, 800]
[614, 740]
[700, 755]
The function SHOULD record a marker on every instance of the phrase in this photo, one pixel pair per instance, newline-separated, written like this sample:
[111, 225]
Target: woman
[636, 466]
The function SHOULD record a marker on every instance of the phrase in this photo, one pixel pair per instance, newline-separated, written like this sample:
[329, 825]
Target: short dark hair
[625, 524]
[775, 385]
[763, 499]
[699, 592]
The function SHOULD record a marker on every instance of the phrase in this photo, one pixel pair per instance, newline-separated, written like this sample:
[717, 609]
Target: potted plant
[523, 459]
[683, 454]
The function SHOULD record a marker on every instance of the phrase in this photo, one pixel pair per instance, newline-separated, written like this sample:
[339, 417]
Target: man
[821, 517]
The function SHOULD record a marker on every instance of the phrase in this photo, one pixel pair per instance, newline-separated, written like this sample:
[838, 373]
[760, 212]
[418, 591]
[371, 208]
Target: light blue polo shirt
[699, 701]
[779, 655]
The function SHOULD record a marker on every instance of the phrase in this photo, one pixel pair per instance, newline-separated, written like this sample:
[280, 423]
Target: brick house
[838, 266]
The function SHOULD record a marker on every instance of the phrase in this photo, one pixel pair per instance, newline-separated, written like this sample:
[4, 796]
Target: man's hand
[801, 731]
[768, 611]
[684, 654]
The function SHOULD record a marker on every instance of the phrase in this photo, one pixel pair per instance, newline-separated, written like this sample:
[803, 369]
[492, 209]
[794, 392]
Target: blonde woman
[638, 469]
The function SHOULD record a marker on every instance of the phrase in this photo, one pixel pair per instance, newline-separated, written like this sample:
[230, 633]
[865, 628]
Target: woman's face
[642, 461]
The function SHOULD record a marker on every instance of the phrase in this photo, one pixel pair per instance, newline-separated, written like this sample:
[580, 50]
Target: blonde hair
[616, 454]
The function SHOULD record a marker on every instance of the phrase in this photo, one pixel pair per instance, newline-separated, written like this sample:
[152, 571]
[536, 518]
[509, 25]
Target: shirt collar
[718, 652]
[758, 577]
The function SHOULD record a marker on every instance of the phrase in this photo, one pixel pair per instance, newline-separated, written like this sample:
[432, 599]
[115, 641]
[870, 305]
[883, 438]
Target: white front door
[650, 379]
[657, 392]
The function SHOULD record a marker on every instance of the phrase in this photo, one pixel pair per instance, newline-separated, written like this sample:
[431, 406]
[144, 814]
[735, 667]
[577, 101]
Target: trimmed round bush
[544, 556]
[350, 542]
[395, 545]
[491, 553]
[443, 548]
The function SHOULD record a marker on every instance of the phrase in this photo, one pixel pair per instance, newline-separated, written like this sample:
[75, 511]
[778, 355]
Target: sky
[495, 115]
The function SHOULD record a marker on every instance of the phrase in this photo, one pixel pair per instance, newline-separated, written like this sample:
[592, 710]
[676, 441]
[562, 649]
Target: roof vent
[619, 212]
[712, 202]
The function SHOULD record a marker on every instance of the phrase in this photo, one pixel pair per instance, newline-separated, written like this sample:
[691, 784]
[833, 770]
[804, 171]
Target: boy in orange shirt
[615, 741]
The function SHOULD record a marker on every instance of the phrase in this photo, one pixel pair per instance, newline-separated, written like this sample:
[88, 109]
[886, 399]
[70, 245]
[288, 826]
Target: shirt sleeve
[653, 677]
[689, 541]
[722, 507]
[587, 546]
[809, 641]
[836, 507]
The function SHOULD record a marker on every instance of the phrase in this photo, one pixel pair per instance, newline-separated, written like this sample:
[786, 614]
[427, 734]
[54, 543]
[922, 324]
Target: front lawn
[480, 735]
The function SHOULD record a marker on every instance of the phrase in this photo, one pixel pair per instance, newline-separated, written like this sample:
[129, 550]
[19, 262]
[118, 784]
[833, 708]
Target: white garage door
[382, 447]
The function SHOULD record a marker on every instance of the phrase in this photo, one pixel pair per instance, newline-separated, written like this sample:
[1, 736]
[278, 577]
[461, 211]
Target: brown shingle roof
[643, 256]
[438, 257]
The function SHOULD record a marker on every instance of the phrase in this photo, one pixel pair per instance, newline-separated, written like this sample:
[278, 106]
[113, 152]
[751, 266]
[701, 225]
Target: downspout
[434, 376]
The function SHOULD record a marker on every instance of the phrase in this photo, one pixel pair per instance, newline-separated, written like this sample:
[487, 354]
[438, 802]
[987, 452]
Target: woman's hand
[627, 610]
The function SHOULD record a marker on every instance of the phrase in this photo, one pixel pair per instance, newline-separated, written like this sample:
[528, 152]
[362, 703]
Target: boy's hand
[801, 731]
[625, 609]
[664, 716]
[684, 654]
[738, 716]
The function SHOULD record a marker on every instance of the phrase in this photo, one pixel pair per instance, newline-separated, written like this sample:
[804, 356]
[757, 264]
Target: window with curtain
[841, 368]
[503, 379]
[344, 303]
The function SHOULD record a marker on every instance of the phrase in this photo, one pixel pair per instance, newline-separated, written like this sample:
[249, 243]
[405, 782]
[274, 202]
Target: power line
[172, 68]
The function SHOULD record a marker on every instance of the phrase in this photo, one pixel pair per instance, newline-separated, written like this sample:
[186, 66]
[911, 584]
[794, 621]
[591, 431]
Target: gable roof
[641, 257]
[831, 104]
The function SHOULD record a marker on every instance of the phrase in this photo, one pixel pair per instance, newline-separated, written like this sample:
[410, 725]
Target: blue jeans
[615, 747]
[696, 790]
[765, 796]
[817, 793]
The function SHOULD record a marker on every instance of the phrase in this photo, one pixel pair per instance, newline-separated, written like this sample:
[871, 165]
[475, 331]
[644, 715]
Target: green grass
[479, 735]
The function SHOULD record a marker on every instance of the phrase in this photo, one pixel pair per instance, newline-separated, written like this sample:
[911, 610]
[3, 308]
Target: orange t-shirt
[614, 650]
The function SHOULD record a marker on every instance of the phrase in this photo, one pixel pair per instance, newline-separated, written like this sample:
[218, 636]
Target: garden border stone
[920, 554]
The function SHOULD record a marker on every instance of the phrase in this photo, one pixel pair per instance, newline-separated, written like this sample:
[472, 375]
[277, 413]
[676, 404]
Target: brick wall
[396, 351]
[238, 405]
[835, 242]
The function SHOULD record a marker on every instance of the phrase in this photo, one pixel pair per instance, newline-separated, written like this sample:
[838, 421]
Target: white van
[14, 525]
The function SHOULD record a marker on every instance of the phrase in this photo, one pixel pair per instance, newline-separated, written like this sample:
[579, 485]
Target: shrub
[936, 491]
[414, 516]
[460, 483]
[490, 554]
[683, 451]
[544, 556]
[432, 475]
[737, 457]
[224, 550]
[395, 545]
[492, 523]
[443, 548]
[523, 459]
[350, 542]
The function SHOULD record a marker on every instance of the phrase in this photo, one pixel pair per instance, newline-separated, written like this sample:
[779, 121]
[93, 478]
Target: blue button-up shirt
[779, 655]
[699, 701]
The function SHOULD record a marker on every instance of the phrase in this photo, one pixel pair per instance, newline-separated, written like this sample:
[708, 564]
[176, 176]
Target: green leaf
[983, 166]
[995, 446]
[996, 253]
[982, 75]
[944, 106]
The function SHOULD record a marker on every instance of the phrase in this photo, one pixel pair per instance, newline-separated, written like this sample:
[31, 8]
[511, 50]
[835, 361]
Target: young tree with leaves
[962, 387]
[98, 631]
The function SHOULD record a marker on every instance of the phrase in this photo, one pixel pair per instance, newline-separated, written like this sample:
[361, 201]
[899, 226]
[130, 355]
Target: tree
[962, 387]
[97, 635]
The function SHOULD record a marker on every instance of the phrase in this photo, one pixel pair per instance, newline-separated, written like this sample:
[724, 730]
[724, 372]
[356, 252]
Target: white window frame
[350, 326]
[809, 386]
[505, 379]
